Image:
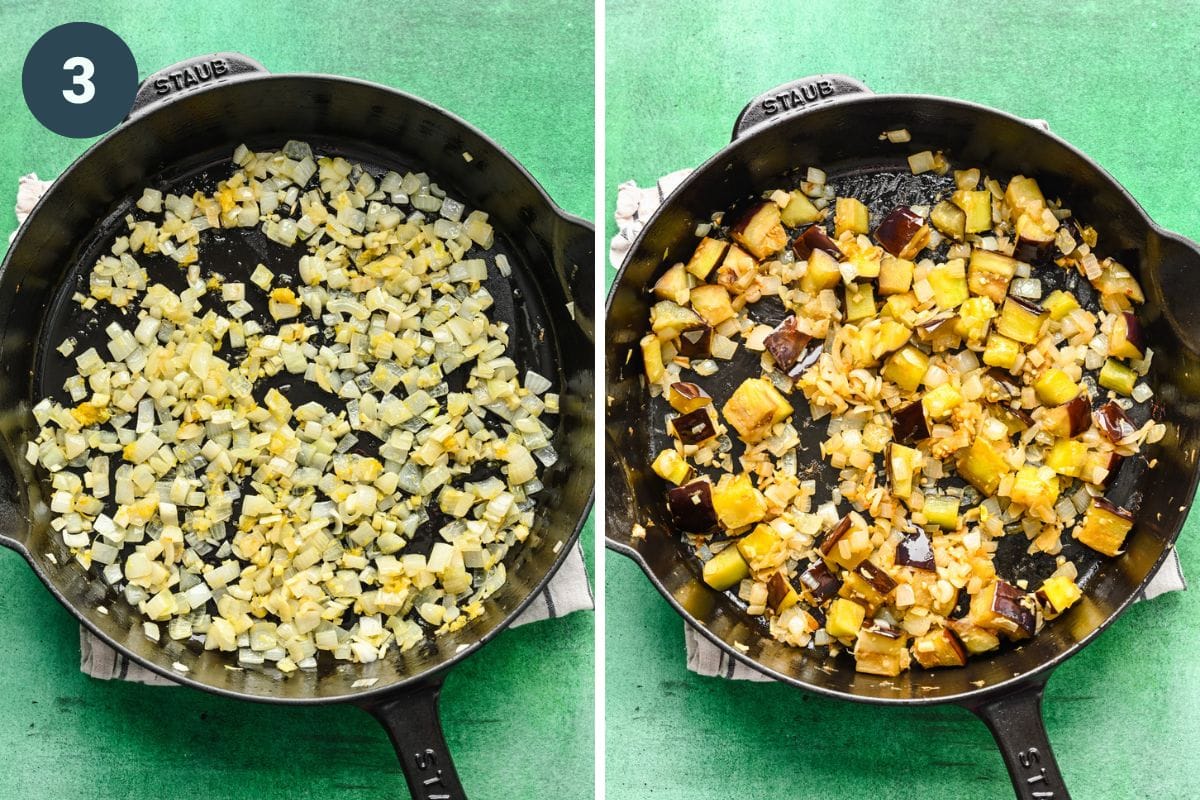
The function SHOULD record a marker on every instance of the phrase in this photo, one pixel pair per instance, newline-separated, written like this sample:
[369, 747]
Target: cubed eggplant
[652, 359]
[737, 502]
[726, 569]
[949, 219]
[1001, 351]
[982, 465]
[706, 256]
[835, 534]
[989, 274]
[1113, 422]
[1035, 487]
[860, 302]
[975, 639]
[754, 408]
[876, 576]
[1059, 304]
[857, 588]
[1054, 387]
[691, 507]
[1057, 595]
[1024, 196]
[1002, 607]
[800, 210]
[878, 652]
[1033, 242]
[738, 271]
[844, 619]
[1067, 457]
[759, 230]
[895, 275]
[668, 319]
[670, 466]
[786, 344]
[909, 424]
[942, 511]
[1104, 526]
[1118, 377]
[1128, 338]
[822, 273]
[712, 303]
[781, 595]
[673, 285]
[687, 397]
[949, 283]
[694, 427]
[906, 368]
[1021, 320]
[820, 581]
[903, 467]
[759, 546]
[850, 215]
[1069, 419]
[814, 238]
[696, 343]
[897, 232]
[939, 648]
[916, 550]
[978, 207]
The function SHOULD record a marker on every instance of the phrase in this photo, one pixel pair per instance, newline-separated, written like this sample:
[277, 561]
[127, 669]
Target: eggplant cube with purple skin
[820, 581]
[691, 507]
[737, 502]
[903, 233]
[786, 344]
[686, 397]
[1003, 608]
[706, 256]
[881, 651]
[738, 271]
[760, 230]
[813, 238]
[781, 595]
[1104, 527]
[694, 427]
[939, 648]
[754, 408]
[916, 550]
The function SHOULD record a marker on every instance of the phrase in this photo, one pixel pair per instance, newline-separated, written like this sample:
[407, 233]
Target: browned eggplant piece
[759, 230]
[939, 648]
[876, 576]
[786, 344]
[916, 550]
[1033, 241]
[691, 507]
[898, 229]
[1128, 338]
[1005, 608]
[814, 238]
[857, 588]
[1017, 420]
[1113, 422]
[673, 285]
[1105, 526]
[694, 427]
[1070, 419]
[1114, 463]
[809, 357]
[781, 595]
[696, 343]
[835, 535]
[685, 397]
[1020, 320]
[820, 581]
[909, 425]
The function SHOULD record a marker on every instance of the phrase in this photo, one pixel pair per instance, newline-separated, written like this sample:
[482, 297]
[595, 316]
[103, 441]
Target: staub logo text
[798, 96]
[191, 75]
[1030, 758]
[431, 777]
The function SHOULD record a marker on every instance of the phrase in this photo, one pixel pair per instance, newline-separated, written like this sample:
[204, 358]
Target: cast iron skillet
[835, 123]
[180, 127]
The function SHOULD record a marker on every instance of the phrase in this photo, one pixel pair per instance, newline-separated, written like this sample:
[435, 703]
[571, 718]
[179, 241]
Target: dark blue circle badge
[79, 79]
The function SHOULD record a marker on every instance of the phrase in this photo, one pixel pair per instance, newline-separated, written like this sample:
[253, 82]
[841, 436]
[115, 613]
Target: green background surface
[1117, 79]
[518, 715]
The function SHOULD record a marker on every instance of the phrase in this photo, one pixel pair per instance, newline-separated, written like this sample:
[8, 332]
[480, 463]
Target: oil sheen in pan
[234, 253]
[882, 188]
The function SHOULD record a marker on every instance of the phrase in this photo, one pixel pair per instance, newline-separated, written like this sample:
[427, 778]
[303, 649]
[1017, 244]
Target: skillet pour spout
[835, 123]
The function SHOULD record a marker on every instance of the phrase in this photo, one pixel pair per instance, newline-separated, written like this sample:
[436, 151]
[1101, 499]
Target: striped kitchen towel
[634, 207]
[568, 591]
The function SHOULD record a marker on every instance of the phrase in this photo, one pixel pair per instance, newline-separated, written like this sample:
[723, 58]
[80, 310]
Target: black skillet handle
[796, 97]
[1015, 720]
[192, 75]
[412, 722]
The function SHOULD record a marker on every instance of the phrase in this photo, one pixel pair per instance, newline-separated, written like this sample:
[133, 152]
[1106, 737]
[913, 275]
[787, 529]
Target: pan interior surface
[187, 146]
[844, 140]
